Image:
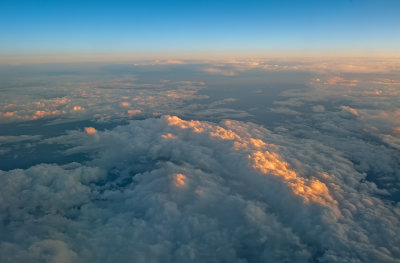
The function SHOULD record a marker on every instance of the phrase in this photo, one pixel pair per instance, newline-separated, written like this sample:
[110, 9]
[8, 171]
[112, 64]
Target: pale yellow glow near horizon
[176, 57]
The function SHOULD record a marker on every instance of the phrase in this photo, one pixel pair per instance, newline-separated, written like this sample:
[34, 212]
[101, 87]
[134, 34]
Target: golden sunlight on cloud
[224, 134]
[125, 104]
[175, 62]
[90, 130]
[78, 108]
[168, 136]
[350, 109]
[341, 82]
[133, 112]
[310, 190]
[265, 162]
[196, 126]
[42, 113]
[7, 114]
[162, 62]
[179, 180]
[218, 132]
[180, 94]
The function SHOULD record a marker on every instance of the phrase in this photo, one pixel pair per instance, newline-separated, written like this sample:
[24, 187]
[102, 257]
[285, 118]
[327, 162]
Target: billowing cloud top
[171, 190]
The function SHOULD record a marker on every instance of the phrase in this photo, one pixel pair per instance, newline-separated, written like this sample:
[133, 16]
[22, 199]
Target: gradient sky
[104, 27]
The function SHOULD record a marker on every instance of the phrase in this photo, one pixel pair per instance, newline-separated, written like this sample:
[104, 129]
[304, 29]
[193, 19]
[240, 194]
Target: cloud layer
[99, 100]
[170, 190]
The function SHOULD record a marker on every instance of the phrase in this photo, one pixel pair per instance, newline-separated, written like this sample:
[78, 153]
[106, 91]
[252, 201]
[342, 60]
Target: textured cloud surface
[313, 175]
[166, 189]
[98, 100]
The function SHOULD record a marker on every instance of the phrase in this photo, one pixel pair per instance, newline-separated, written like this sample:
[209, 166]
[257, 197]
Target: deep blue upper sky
[59, 27]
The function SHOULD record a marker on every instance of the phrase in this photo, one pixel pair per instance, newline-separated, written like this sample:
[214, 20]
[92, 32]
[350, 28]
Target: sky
[143, 28]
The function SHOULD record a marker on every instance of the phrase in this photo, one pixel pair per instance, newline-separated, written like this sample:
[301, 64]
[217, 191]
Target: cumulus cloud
[359, 122]
[375, 103]
[101, 100]
[172, 190]
[220, 71]
[350, 109]
[90, 130]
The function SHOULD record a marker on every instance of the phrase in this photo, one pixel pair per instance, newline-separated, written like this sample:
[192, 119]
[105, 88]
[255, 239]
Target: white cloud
[169, 190]
[100, 100]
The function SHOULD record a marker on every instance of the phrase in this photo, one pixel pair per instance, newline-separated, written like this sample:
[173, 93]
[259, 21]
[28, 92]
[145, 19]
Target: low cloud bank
[170, 190]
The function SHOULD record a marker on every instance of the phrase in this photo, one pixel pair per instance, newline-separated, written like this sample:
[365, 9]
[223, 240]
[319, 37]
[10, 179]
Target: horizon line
[188, 56]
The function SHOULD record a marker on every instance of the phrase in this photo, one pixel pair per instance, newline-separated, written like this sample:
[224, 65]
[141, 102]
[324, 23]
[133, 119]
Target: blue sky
[89, 27]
